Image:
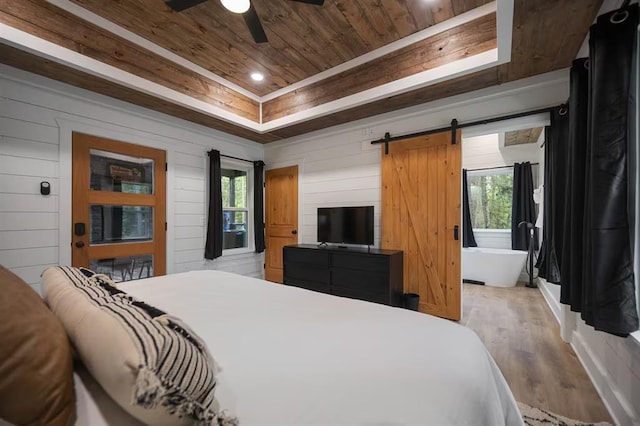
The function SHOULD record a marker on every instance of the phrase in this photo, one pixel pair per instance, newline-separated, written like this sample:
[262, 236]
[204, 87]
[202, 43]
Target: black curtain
[555, 162]
[574, 202]
[258, 204]
[213, 246]
[468, 239]
[609, 301]
[523, 208]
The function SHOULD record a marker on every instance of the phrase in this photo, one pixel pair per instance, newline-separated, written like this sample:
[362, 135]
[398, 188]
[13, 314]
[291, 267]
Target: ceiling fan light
[236, 6]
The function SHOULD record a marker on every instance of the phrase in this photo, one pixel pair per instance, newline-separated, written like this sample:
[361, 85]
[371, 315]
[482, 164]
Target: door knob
[79, 244]
[294, 232]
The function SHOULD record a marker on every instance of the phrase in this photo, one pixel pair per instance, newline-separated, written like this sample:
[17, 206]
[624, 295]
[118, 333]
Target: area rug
[538, 417]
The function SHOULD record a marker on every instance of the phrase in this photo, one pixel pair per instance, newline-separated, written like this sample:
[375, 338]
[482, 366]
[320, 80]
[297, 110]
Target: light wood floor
[522, 335]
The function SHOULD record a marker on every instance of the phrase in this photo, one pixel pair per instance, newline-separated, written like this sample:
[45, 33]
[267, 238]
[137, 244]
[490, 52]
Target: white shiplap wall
[37, 117]
[339, 166]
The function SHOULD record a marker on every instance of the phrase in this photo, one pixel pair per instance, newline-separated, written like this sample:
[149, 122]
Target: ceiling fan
[238, 6]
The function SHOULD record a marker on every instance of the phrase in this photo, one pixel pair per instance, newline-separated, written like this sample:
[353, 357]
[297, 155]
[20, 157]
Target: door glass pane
[235, 229]
[121, 173]
[124, 268]
[120, 224]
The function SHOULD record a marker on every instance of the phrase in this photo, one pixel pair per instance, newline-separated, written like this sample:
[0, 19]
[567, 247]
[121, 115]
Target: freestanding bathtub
[496, 267]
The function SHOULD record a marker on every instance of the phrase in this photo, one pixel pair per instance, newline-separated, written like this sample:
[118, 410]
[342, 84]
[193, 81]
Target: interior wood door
[118, 216]
[421, 216]
[281, 217]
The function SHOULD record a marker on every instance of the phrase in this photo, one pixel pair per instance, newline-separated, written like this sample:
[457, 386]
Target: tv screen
[348, 225]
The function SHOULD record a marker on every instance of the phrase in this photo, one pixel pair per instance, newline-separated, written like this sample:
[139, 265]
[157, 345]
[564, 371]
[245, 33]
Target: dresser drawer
[311, 257]
[300, 271]
[368, 281]
[360, 261]
[309, 285]
[361, 295]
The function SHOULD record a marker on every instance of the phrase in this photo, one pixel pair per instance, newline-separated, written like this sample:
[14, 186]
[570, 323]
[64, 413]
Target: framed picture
[120, 173]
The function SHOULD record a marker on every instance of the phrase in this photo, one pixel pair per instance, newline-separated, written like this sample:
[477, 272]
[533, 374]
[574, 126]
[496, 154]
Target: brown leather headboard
[36, 370]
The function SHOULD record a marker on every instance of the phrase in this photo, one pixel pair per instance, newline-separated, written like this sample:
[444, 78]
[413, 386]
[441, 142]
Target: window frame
[230, 164]
[506, 170]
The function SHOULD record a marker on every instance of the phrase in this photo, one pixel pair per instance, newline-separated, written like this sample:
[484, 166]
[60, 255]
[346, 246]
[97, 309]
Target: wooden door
[281, 217]
[118, 215]
[420, 213]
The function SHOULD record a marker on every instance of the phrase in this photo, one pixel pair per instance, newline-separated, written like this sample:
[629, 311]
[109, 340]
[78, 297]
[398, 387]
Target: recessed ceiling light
[256, 76]
[236, 6]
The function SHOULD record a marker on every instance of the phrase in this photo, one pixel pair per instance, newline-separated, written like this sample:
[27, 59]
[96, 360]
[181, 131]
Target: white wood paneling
[37, 117]
[189, 208]
[21, 221]
[28, 239]
[28, 130]
[191, 220]
[24, 166]
[29, 149]
[190, 244]
[14, 184]
[17, 258]
[190, 196]
[190, 184]
[188, 232]
[26, 203]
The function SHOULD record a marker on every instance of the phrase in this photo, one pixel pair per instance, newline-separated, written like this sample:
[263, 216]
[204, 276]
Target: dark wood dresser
[374, 275]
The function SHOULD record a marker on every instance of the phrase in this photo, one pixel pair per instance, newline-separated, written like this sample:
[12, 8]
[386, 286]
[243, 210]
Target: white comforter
[295, 357]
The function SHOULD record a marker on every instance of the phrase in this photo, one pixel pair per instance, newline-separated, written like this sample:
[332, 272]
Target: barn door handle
[456, 232]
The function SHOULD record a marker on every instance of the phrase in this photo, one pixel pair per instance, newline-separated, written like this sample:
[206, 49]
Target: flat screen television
[345, 225]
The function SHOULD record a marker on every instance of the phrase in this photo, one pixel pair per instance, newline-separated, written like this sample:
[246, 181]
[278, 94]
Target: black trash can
[410, 301]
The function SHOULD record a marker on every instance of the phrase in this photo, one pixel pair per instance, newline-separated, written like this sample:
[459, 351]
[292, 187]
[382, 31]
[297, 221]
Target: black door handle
[294, 232]
[456, 232]
[79, 244]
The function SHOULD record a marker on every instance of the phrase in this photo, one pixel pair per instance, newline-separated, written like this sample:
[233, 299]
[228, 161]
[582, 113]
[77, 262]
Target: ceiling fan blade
[180, 5]
[314, 2]
[255, 27]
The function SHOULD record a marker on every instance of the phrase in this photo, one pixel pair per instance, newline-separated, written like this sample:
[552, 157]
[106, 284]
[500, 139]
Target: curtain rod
[388, 138]
[239, 159]
[497, 167]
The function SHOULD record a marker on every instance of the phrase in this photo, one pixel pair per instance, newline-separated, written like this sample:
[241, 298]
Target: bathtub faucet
[529, 224]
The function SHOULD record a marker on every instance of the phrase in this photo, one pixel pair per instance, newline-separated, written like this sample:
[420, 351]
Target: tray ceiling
[346, 60]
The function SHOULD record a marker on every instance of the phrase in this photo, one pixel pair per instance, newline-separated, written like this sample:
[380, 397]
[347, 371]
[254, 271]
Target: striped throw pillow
[151, 363]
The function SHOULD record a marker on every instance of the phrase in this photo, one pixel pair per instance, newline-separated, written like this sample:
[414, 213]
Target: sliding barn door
[421, 216]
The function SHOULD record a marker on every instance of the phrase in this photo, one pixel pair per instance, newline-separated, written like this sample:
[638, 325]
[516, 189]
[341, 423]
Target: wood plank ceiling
[304, 40]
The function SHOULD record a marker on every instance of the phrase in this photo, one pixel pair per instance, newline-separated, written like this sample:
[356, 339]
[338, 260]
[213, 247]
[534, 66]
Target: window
[236, 207]
[490, 197]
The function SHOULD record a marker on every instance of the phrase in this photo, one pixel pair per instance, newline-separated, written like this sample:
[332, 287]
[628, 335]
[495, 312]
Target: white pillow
[149, 362]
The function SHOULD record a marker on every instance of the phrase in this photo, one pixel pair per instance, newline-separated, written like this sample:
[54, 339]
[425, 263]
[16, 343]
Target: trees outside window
[490, 198]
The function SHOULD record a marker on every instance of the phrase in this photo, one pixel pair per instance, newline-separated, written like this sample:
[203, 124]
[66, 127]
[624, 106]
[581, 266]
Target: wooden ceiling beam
[41, 66]
[53, 24]
[469, 39]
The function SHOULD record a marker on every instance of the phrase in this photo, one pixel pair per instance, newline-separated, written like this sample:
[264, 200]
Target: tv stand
[368, 274]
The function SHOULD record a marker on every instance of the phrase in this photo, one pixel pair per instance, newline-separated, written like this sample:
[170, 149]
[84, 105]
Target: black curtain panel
[523, 208]
[468, 239]
[213, 246]
[573, 223]
[555, 154]
[609, 300]
[258, 204]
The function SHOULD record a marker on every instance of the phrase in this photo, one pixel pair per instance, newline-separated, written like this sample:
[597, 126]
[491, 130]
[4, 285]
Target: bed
[290, 356]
